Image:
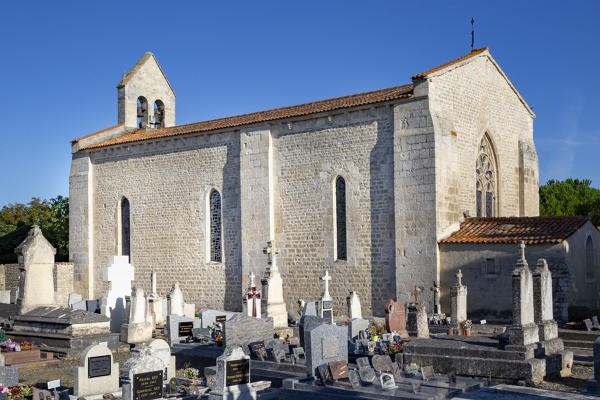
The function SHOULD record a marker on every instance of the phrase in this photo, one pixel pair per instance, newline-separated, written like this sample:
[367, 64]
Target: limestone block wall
[585, 289]
[167, 183]
[309, 155]
[63, 282]
[490, 294]
[467, 102]
[414, 197]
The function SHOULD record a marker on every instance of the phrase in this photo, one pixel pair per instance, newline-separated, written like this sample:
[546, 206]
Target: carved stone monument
[458, 302]
[155, 303]
[523, 331]
[326, 303]
[36, 262]
[272, 287]
[139, 327]
[119, 276]
[252, 298]
[354, 309]
[395, 318]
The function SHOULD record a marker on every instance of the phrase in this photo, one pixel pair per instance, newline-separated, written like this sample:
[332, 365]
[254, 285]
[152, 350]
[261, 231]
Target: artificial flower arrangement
[26, 345]
[9, 344]
[191, 373]
[393, 349]
[467, 324]
[19, 392]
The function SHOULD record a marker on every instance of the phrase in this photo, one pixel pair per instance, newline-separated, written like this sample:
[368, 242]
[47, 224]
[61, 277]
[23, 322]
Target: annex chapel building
[365, 186]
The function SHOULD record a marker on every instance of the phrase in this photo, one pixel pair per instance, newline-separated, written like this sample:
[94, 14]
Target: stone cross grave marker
[542, 299]
[96, 372]
[119, 276]
[253, 298]
[523, 331]
[458, 301]
[326, 303]
[437, 307]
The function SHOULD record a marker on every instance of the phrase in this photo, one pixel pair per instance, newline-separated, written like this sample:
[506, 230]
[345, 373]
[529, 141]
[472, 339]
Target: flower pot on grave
[467, 332]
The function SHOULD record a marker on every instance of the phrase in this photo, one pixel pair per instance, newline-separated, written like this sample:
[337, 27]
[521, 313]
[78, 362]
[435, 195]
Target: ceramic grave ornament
[272, 288]
[36, 262]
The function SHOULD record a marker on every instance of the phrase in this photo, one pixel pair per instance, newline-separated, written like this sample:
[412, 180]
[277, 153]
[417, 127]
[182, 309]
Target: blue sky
[60, 63]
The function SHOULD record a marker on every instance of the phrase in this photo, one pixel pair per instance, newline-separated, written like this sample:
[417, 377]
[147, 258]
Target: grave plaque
[588, 324]
[397, 371]
[99, 366]
[148, 385]
[185, 328]
[329, 346]
[324, 374]
[327, 304]
[387, 381]
[367, 375]
[255, 348]
[327, 314]
[382, 363]
[237, 372]
[427, 373]
[596, 323]
[338, 369]
[299, 354]
[354, 379]
[363, 362]
[278, 355]
[221, 319]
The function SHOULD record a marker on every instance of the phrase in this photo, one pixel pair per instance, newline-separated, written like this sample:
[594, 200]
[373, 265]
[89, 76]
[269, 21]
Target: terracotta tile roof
[474, 52]
[95, 133]
[532, 230]
[377, 96]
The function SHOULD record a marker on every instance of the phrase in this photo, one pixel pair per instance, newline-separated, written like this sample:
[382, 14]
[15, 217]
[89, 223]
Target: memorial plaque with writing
[596, 323]
[329, 347]
[148, 385]
[185, 328]
[338, 369]
[354, 379]
[588, 324]
[237, 372]
[324, 374]
[299, 354]
[327, 314]
[221, 318]
[255, 347]
[327, 305]
[427, 373]
[99, 366]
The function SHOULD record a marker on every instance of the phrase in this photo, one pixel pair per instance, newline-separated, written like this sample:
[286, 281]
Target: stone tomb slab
[325, 343]
[243, 330]
[180, 328]
[96, 372]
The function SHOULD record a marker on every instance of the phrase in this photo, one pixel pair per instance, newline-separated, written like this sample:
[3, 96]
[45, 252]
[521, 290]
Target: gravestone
[162, 350]
[588, 324]
[179, 328]
[299, 355]
[307, 322]
[73, 298]
[233, 368]
[593, 385]
[325, 343]
[437, 307]
[138, 328]
[326, 303]
[209, 317]
[252, 298]
[354, 308]
[175, 301]
[273, 304]
[395, 318]
[119, 276]
[355, 326]
[542, 298]
[310, 308]
[155, 303]
[417, 323]
[36, 262]
[96, 372]
[9, 376]
[523, 331]
[458, 301]
[142, 375]
[242, 329]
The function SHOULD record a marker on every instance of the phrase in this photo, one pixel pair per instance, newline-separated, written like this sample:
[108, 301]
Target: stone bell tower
[146, 98]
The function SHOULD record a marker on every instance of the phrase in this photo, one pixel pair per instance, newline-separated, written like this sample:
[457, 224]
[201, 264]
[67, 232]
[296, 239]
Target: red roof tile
[95, 133]
[377, 96]
[531, 230]
[473, 52]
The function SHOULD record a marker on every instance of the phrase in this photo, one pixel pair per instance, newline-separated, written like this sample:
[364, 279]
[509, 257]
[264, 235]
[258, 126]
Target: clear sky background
[61, 60]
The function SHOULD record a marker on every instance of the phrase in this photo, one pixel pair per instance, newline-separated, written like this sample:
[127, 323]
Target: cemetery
[143, 346]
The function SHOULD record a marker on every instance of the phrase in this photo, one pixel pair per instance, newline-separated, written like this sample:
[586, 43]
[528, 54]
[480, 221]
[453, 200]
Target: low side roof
[531, 230]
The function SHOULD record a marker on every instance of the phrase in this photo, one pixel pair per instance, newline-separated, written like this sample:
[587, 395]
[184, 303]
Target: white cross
[251, 276]
[326, 280]
[459, 277]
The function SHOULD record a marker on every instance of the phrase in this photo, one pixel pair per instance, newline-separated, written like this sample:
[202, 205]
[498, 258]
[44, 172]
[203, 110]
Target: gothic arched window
[340, 218]
[142, 112]
[215, 234]
[159, 114]
[125, 228]
[589, 258]
[486, 175]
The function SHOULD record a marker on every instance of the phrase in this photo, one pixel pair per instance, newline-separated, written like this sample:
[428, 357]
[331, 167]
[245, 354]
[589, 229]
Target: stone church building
[364, 186]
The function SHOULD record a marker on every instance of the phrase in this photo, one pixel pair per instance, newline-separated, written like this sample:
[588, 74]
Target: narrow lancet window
[125, 228]
[590, 273]
[216, 253]
[340, 218]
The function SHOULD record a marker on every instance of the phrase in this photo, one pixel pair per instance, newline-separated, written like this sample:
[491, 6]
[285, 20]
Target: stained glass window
[485, 167]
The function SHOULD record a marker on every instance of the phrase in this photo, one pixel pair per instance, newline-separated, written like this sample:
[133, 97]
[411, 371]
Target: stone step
[579, 344]
[576, 335]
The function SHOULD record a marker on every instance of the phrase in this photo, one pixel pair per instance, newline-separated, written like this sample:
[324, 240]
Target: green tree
[570, 197]
[51, 215]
